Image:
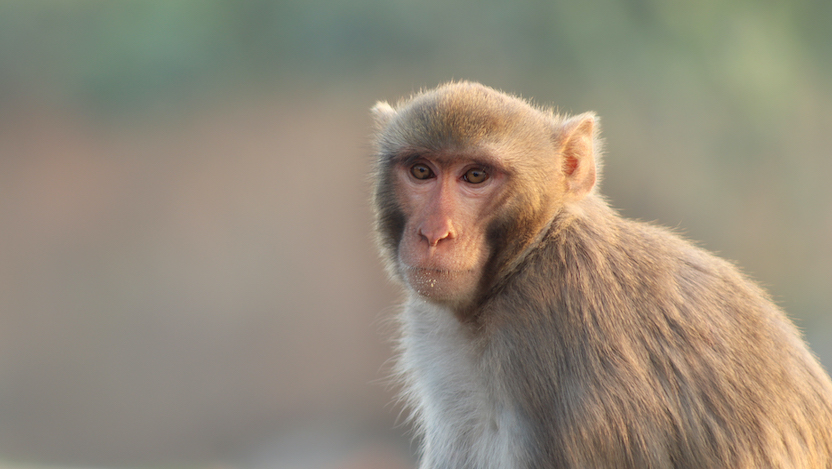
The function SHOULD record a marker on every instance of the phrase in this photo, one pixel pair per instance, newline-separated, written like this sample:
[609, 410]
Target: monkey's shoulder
[610, 272]
[611, 251]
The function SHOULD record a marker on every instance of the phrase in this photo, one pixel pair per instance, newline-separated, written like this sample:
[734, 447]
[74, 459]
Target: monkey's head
[466, 179]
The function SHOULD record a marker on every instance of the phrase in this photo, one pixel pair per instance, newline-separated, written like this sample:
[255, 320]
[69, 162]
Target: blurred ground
[187, 273]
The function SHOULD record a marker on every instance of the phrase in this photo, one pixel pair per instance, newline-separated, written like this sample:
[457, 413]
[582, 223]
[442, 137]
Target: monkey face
[466, 179]
[447, 200]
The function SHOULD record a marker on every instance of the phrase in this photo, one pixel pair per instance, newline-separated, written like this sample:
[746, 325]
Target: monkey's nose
[434, 233]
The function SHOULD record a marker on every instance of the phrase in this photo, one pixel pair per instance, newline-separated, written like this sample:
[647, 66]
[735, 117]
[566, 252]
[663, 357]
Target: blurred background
[187, 272]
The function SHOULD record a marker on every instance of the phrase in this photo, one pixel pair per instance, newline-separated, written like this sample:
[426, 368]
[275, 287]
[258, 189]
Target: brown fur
[592, 341]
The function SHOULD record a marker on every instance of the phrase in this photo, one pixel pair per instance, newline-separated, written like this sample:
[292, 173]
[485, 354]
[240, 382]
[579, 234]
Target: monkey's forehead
[446, 157]
[453, 140]
[461, 115]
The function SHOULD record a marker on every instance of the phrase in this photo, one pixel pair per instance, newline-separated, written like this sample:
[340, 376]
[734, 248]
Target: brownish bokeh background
[187, 273]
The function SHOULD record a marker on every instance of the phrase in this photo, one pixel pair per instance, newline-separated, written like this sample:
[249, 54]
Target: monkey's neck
[591, 207]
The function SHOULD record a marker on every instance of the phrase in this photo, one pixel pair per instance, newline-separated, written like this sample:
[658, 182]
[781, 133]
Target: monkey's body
[589, 340]
[626, 378]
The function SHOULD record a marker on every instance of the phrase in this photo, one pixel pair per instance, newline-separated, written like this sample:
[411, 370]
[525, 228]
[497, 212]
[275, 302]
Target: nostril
[434, 236]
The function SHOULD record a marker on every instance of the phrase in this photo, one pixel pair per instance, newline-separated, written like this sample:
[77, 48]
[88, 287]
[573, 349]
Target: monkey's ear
[382, 113]
[577, 136]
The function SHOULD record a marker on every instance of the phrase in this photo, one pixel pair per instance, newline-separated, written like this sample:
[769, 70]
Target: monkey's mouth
[437, 271]
[440, 284]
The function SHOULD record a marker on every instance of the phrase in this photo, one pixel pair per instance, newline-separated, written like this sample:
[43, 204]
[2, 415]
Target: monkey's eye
[420, 171]
[475, 175]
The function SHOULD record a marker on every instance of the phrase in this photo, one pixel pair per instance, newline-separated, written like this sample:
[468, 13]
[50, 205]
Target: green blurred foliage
[124, 52]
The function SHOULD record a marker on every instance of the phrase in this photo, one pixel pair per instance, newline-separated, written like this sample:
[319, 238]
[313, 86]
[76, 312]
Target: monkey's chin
[441, 286]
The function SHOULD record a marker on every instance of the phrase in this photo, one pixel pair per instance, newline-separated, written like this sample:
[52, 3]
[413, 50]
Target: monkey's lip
[430, 270]
[440, 284]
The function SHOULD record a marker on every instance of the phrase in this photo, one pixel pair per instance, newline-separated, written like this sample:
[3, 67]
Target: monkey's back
[644, 350]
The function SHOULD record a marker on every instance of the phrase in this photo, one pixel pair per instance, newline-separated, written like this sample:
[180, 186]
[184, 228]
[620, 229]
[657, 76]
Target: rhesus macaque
[542, 330]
